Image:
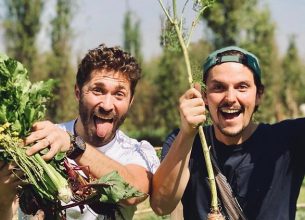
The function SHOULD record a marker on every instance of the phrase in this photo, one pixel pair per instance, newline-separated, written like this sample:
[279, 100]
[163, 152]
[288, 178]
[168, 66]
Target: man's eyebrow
[120, 87]
[216, 81]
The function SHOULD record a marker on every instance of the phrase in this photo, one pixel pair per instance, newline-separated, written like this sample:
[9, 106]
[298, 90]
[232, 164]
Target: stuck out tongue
[103, 128]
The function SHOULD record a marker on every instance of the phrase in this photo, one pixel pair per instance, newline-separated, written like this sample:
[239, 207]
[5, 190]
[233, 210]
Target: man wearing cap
[263, 163]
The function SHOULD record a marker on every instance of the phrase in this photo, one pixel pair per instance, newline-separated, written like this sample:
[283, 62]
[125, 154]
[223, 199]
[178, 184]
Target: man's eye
[97, 90]
[120, 94]
[243, 87]
[217, 88]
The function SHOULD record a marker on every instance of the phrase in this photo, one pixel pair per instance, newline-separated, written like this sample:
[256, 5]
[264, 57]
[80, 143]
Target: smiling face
[231, 96]
[104, 101]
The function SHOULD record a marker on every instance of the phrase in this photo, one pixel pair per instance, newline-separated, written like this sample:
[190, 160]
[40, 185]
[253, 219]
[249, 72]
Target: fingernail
[28, 152]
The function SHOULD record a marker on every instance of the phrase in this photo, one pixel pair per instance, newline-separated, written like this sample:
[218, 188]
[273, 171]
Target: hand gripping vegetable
[21, 104]
[53, 183]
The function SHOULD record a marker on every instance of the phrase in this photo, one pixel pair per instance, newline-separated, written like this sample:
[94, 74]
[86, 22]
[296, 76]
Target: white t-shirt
[124, 150]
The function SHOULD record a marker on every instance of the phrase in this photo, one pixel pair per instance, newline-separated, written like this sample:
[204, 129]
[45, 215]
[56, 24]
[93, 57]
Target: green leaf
[60, 156]
[112, 188]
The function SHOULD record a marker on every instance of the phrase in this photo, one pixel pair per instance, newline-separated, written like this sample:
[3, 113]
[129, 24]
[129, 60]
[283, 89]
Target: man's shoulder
[121, 137]
[68, 125]
[287, 125]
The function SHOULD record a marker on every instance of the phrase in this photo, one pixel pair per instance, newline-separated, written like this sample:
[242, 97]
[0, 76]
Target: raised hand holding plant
[199, 7]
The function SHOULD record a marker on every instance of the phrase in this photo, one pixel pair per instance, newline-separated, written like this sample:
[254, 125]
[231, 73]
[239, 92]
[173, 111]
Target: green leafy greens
[21, 104]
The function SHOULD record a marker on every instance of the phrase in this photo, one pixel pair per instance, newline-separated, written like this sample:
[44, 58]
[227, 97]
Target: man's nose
[107, 102]
[230, 95]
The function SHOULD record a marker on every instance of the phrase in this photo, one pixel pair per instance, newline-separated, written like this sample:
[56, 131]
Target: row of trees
[154, 113]
[22, 24]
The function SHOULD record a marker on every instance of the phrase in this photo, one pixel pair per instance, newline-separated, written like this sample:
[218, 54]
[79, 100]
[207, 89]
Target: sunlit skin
[104, 101]
[231, 96]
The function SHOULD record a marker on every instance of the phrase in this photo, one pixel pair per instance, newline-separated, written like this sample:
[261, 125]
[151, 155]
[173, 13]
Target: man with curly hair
[105, 87]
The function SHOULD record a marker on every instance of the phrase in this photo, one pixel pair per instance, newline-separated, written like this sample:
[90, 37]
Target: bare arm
[48, 134]
[171, 178]
[101, 165]
[8, 191]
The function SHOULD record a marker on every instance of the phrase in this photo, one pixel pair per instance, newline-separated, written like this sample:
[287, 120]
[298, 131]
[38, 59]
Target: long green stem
[206, 151]
[60, 183]
[194, 24]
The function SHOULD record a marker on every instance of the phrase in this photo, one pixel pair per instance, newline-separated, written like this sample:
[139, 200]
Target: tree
[226, 19]
[21, 28]
[260, 39]
[293, 78]
[170, 81]
[132, 38]
[59, 63]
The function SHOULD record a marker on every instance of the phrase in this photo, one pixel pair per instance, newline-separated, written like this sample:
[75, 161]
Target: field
[301, 205]
[145, 213]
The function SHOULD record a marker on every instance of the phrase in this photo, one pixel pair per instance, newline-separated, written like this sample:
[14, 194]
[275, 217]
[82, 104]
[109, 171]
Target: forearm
[8, 209]
[7, 213]
[100, 165]
[171, 178]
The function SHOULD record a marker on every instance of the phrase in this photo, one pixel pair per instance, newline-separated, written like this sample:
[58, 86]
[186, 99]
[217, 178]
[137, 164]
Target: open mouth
[102, 119]
[230, 113]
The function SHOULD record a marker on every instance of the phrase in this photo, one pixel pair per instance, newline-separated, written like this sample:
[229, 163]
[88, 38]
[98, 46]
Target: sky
[101, 21]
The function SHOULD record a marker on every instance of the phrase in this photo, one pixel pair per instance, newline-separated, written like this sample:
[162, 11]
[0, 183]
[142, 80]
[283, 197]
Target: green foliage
[21, 102]
[21, 28]
[113, 188]
[59, 65]
[293, 81]
[169, 39]
[132, 38]
[226, 19]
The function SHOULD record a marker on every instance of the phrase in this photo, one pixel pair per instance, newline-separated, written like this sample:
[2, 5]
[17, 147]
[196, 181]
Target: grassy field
[145, 213]
[301, 202]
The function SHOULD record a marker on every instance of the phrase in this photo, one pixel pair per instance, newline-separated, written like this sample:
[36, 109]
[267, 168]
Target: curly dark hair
[110, 59]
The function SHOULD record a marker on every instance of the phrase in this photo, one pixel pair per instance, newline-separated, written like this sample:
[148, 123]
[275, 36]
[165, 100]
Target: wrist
[77, 146]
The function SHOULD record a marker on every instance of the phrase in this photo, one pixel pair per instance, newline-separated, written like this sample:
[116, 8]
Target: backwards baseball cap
[217, 57]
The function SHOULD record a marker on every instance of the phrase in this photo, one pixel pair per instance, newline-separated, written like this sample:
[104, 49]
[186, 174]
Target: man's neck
[244, 135]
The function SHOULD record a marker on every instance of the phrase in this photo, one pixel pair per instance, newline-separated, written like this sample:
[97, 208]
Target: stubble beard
[234, 134]
[230, 134]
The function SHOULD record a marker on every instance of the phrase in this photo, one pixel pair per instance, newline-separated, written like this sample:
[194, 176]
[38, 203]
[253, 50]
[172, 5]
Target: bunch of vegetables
[21, 104]
[55, 183]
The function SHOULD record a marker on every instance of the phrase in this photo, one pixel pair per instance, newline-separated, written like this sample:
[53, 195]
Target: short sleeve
[145, 155]
[168, 142]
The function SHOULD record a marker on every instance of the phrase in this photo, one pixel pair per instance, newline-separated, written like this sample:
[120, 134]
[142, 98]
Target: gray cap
[216, 57]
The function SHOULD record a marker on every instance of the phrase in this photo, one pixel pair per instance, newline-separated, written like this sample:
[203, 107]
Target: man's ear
[131, 101]
[258, 99]
[204, 97]
[77, 92]
[259, 95]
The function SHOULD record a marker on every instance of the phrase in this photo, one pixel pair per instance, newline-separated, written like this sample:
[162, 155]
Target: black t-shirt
[265, 172]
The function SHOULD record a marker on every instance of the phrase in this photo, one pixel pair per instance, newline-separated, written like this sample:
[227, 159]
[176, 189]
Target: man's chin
[231, 132]
[100, 141]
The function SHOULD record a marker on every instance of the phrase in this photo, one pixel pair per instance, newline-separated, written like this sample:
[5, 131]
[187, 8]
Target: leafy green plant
[21, 104]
